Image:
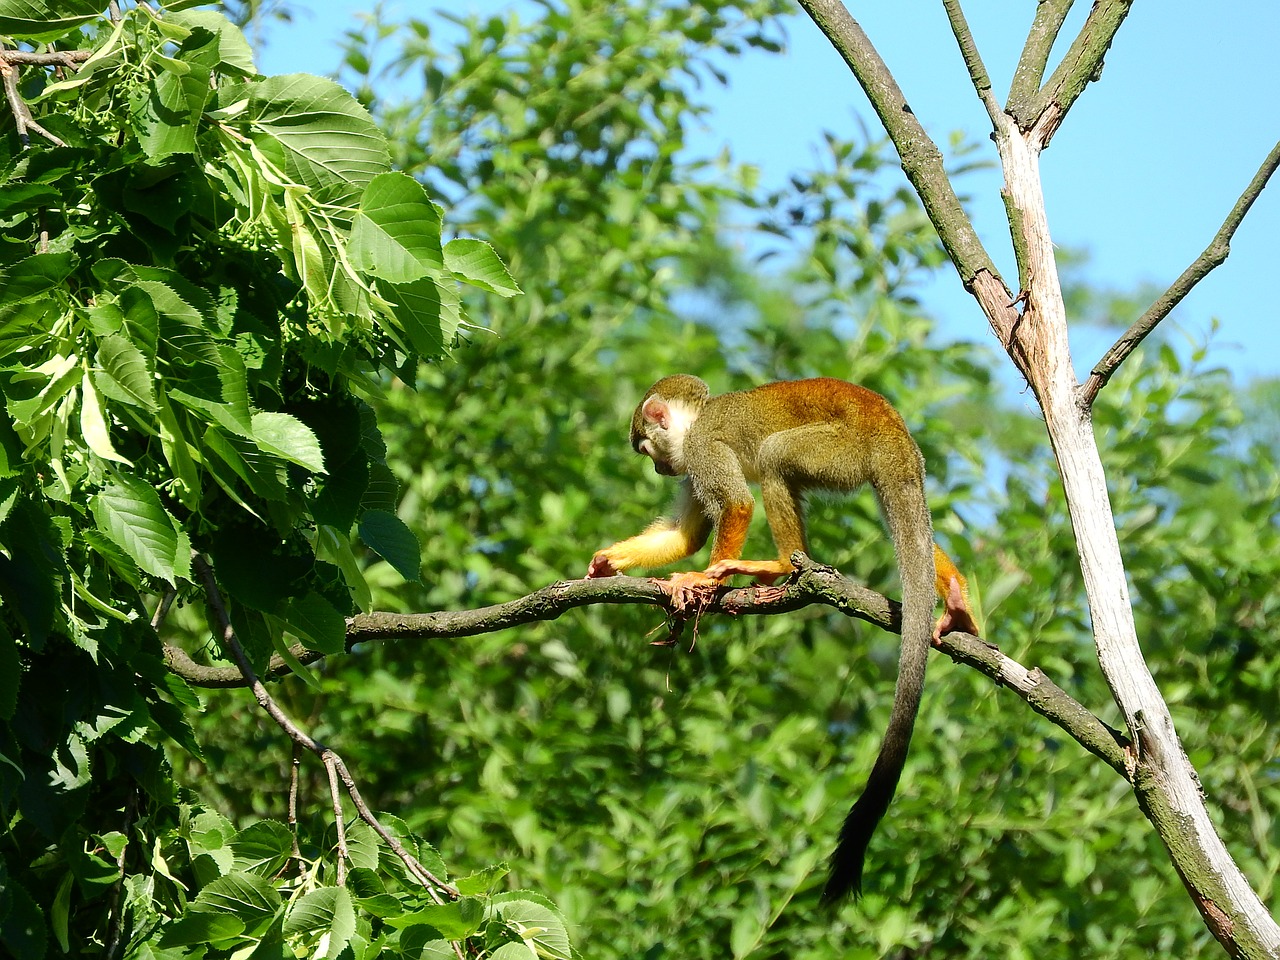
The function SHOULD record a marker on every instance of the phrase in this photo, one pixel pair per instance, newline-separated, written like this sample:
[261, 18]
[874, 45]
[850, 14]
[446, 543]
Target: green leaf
[328, 909]
[250, 898]
[475, 262]
[262, 847]
[43, 21]
[124, 373]
[318, 134]
[256, 469]
[129, 512]
[363, 845]
[70, 764]
[93, 424]
[234, 50]
[480, 884]
[537, 920]
[35, 276]
[455, 920]
[426, 312]
[316, 622]
[166, 109]
[23, 324]
[332, 545]
[389, 537]
[288, 437]
[16, 198]
[198, 926]
[396, 232]
[23, 931]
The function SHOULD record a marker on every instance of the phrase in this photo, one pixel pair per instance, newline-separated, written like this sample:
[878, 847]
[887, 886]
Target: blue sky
[1142, 173]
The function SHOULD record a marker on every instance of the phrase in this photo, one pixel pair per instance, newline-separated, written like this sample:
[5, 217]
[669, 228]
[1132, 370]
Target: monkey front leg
[664, 541]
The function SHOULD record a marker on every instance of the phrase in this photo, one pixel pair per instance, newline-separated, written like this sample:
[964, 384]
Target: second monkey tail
[907, 516]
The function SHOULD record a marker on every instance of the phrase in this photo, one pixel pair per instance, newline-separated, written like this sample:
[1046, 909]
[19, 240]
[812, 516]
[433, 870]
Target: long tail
[907, 516]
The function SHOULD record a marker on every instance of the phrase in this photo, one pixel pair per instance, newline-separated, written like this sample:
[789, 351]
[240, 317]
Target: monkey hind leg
[954, 591]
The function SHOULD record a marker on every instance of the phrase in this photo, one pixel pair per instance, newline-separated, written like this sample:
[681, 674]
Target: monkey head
[662, 419]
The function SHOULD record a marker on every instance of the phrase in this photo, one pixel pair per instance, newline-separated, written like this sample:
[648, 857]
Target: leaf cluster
[205, 275]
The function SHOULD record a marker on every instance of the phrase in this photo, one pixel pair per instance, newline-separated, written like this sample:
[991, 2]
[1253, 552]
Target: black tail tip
[844, 881]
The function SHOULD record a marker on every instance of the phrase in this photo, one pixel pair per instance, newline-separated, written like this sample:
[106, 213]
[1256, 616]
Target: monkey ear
[655, 410]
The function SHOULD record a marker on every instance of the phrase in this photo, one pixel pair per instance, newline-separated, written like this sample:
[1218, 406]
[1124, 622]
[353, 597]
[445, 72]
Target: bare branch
[1212, 257]
[295, 762]
[1081, 65]
[972, 59]
[55, 58]
[921, 158]
[1050, 15]
[335, 795]
[18, 107]
[162, 609]
[332, 761]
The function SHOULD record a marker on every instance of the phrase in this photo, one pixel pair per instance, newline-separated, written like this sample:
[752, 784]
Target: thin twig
[115, 928]
[921, 158]
[336, 796]
[295, 763]
[18, 107]
[162, 609]
[55, 58]
[972, 59]
[330, 758]
[1212, 257]
[425, 876]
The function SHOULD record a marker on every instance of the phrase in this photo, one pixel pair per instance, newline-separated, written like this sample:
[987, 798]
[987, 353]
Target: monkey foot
[766, 571]
[956, 616]
[692, 591]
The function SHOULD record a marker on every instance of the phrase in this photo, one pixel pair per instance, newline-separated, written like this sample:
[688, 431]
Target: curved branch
[921, 158]
[1201, 267]
[334, 764]
[814, 584]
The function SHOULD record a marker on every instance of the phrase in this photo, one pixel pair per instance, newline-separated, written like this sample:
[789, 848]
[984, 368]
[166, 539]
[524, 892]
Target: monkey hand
[601, 566]
[692, 590]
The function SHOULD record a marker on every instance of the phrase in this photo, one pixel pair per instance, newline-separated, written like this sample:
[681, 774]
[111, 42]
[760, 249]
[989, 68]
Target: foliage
[204, 276]
[680, 803]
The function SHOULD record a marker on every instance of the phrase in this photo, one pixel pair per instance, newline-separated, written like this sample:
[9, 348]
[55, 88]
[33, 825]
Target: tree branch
[1212, 257]
[921, 158]
[334, 764]
[1050, 15]
[1081, 65]
[972, 59]
[814, 583]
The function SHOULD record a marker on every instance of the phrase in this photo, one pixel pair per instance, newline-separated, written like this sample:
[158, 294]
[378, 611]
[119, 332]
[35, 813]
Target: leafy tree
[206, 275]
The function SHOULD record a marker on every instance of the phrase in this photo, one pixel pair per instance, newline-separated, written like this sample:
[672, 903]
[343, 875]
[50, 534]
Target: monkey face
[662, 419]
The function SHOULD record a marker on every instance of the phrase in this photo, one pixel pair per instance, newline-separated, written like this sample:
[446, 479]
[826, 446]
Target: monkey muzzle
[663, 469]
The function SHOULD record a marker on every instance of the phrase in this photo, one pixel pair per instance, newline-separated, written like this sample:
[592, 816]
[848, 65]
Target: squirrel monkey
[792, 437]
